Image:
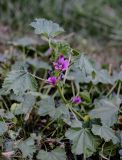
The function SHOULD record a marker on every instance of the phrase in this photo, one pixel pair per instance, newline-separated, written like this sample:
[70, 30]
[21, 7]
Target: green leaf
[25, 41]
[27, 147]
[121, 138]
[8, 145]
[85, 71]
[102, 76]
[6, 114]
[27, 102]
[3, 128]
[76, 124]
[46, 28]
[76, 75]
[38, 63]
[56, 154]
[20, 65]
[117, 76]
[107, 110]
[19, 81]
[119, 135]
[62, 112]
[84, 142]
[105, 132]
[85, 65]
[46, 107]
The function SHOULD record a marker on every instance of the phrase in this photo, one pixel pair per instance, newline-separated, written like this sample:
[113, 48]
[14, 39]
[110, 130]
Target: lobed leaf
[46, 28]
[24, 42]
[84, 142]
[56, 154]
[19, 81]
[85, 65]
[3, 128]
[27, 101]
[38, 64]
[105, 132]
[46, 107]
[84, 71]
[62, 112]
[106, 110]
[27, 147]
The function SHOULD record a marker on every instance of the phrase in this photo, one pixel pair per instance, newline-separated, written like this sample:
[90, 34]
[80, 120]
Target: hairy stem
[61, 94]
[114, 86]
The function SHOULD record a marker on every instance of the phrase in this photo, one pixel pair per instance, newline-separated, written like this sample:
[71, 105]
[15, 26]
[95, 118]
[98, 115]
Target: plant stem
[37, 77]
[73, 110]
[48, 90]
[73, 90]
[49, 41]
[65, 101]
[114, 86]
[74, 114]
[48, 125]
[61, 94]
[43, 82]
[54, 94]
[119, 89]
[77, 88]
[4, 102]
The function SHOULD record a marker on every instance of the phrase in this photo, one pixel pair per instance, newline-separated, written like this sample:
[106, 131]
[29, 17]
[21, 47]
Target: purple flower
[52, 80]
[76, 100]
[61, 64]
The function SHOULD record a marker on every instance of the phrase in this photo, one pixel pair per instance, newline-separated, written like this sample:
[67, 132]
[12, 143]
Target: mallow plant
[56, 103]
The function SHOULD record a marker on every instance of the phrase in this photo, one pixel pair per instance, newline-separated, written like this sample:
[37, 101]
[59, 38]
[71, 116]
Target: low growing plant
[56, 103]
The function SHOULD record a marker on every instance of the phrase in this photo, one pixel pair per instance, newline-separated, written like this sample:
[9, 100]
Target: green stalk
[61, 94]
[78, 114]
[114, 86]
[54, 94]
[48, 90]
[36, 77]
[47, 125]
[73, 90]
[119, 89]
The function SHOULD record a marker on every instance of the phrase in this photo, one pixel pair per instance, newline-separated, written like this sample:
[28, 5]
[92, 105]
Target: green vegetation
[61, 84]
[58, 105]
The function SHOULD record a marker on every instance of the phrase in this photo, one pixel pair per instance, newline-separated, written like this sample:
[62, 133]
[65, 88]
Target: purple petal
[52, 80]
[65, 65]
[61, 59]
[76, 100]
[61, 64]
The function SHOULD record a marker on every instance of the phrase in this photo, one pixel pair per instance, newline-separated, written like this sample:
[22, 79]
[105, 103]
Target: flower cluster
[61, 64]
